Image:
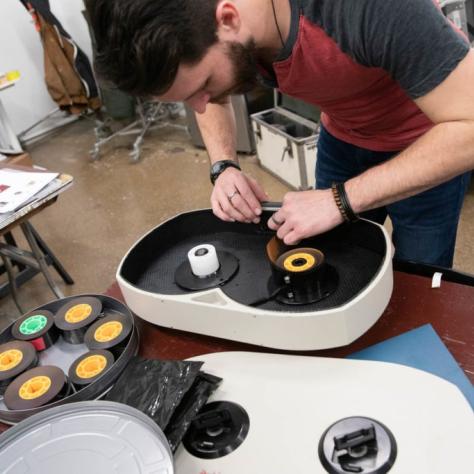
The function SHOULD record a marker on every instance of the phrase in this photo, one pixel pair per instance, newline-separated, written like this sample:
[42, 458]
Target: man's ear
[228, 20]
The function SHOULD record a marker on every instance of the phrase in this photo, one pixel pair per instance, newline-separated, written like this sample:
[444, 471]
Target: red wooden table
[449, 309]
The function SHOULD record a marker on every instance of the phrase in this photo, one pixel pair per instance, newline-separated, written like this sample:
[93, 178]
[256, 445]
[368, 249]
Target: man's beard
[244, 68]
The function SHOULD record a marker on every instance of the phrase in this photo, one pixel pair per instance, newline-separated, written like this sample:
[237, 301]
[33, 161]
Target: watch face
[215, 171]
[216, 167]
[219, 166]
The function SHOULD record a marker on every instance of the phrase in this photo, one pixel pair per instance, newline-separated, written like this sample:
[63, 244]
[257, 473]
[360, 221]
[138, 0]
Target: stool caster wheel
[94, 153]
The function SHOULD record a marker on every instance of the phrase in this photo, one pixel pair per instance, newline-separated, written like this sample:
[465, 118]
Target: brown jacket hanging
[64, 83]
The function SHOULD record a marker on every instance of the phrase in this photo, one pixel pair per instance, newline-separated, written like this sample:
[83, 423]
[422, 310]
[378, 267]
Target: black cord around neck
[276, 24]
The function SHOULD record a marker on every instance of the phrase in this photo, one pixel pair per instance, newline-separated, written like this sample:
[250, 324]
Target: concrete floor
[114, 202]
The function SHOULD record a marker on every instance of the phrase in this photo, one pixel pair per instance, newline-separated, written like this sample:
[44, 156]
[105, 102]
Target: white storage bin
[286, 146]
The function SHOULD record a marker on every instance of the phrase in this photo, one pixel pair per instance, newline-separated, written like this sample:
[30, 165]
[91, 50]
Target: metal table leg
[39, 256]
[47, 251]
[12, 281]
[9, 239]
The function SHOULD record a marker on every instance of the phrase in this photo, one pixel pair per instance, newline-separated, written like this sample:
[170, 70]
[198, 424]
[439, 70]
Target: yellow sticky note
[13, 75]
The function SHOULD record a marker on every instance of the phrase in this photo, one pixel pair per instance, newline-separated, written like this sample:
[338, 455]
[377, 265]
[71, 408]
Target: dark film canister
[74, 317]
[89, 367]
[15, 357]
[110, 332]
[36, 327]
[36, 387]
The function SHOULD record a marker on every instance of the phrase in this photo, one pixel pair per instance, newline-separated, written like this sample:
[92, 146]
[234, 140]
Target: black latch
[351, 448]
[355, 438]
[357, 444]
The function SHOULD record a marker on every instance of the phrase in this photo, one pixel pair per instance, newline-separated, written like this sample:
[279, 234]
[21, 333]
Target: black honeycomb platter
[356, 251]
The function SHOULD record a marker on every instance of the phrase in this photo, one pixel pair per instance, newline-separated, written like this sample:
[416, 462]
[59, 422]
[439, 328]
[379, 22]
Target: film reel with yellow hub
[89, 367]
[108, 332]
[36, 387]
[15, 357]
[300, 275]
[76, 316]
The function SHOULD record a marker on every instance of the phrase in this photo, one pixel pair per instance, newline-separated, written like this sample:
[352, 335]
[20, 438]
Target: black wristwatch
[219, 166]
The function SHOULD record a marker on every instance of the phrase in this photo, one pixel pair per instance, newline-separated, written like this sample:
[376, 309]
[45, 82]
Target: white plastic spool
[203, 260]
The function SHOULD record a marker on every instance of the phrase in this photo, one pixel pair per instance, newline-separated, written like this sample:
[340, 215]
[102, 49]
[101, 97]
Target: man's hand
[237, 196]
[304, 214]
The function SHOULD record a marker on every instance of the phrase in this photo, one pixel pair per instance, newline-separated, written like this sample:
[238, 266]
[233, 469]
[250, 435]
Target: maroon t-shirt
[364, 61]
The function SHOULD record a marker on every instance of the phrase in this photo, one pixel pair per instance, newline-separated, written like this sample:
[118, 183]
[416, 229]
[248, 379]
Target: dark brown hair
[139, 44]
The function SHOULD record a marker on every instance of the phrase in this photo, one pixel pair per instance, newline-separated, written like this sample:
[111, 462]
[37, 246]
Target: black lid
[219, 429]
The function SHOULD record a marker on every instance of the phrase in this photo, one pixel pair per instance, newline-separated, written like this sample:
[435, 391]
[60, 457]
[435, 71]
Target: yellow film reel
[91, 366]
[35, 387]
[108, 331]
[299, 262]
[10, 359]
[78, 313]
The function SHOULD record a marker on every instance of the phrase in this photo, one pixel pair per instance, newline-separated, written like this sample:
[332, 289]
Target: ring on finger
[231, 195]
[277, 222]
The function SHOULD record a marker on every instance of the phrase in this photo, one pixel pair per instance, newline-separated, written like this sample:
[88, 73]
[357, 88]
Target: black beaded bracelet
[342, 202]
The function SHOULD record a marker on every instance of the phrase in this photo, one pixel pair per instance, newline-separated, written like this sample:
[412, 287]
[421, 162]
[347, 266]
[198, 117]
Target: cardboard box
[22, 159]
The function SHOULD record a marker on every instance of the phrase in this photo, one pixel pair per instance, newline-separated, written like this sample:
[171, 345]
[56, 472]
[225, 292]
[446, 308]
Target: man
[392, 77]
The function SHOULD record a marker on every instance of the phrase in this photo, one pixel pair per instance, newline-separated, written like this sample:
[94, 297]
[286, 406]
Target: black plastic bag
[190, 405]
[155, 387]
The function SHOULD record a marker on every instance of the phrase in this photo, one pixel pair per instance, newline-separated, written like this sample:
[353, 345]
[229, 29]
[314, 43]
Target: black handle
[356, 438]
[212, 419]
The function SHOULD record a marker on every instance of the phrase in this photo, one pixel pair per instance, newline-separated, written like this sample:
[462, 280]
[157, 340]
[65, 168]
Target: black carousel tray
[356, 251]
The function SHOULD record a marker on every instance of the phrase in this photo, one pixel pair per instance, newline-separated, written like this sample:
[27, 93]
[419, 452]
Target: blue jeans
[424, 226]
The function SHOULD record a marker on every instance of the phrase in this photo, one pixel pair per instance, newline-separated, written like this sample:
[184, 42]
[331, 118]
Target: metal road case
[286, 140]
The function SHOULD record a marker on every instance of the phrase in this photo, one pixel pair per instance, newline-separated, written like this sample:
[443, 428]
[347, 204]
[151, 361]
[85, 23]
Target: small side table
[39, 257]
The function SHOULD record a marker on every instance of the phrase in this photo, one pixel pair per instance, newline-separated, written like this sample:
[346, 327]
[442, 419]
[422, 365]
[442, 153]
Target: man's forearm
[447, 150]
[235, 195]
[218, 130]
